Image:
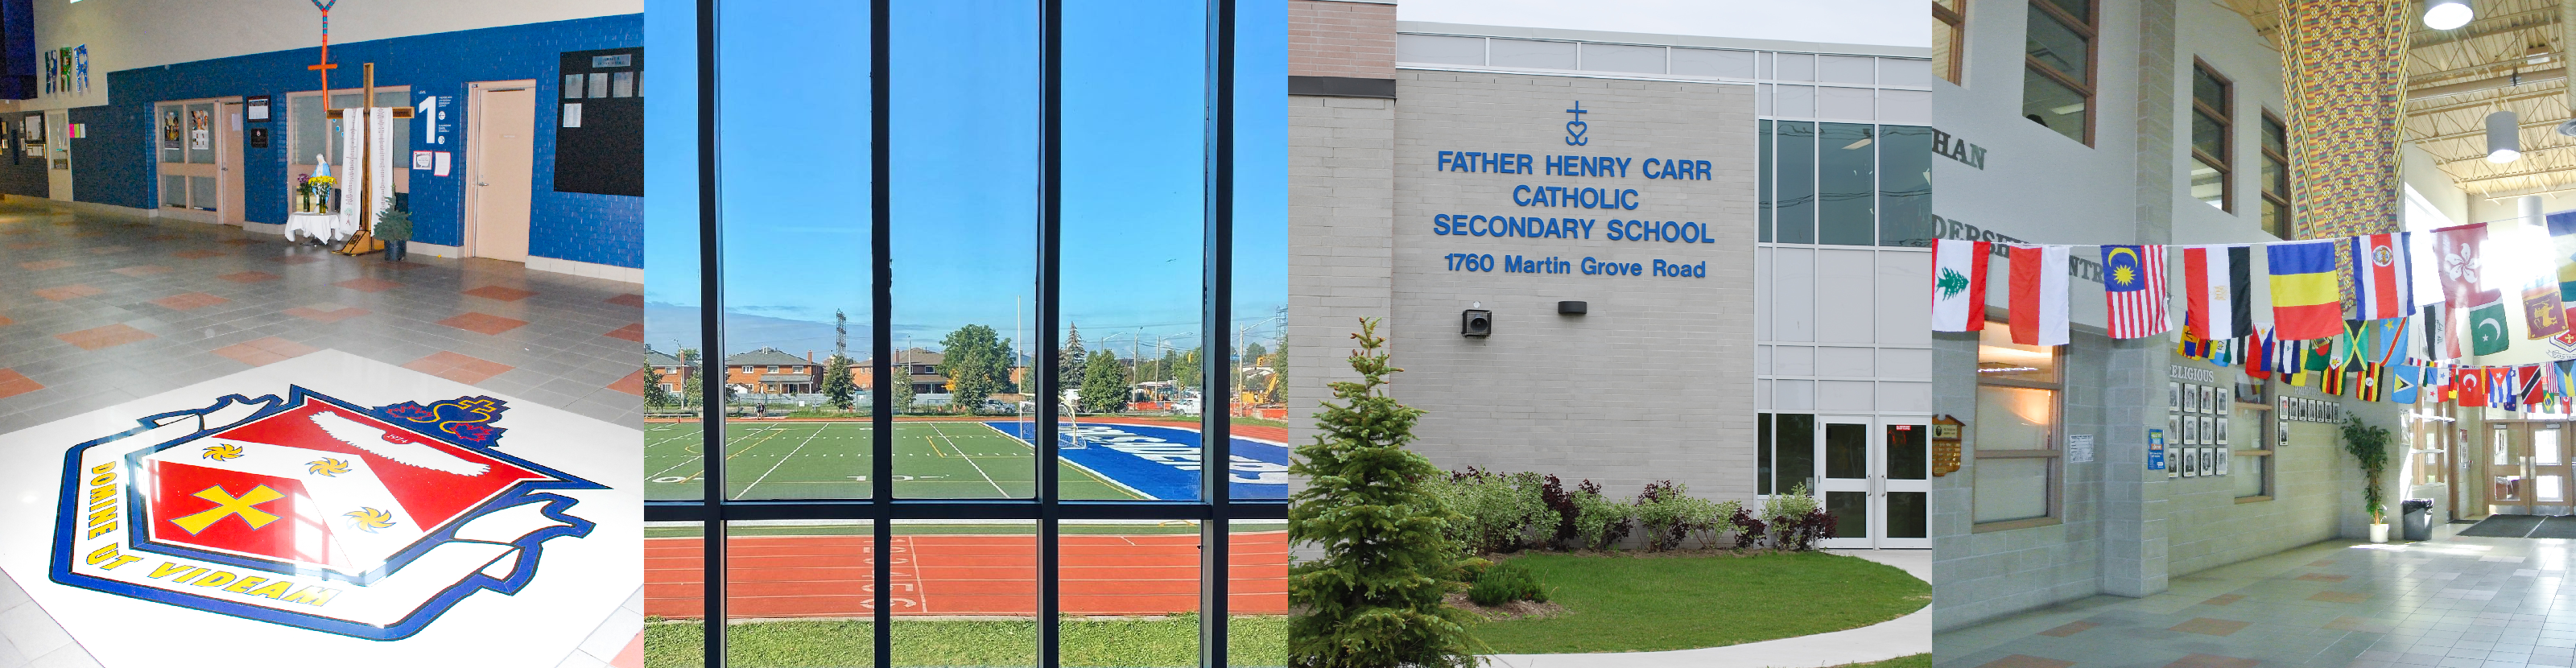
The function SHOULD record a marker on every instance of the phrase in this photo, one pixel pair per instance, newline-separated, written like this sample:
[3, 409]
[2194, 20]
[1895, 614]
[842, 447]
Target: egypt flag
[2306, 303]
[2039, 295]
[2133, 290]
[1959, 284]
[2218, 303]
[2381, 276]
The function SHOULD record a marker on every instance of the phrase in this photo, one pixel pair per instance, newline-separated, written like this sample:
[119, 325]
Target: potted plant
[2369, 446]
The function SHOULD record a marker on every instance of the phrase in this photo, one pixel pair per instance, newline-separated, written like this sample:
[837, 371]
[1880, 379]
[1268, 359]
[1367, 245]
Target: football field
[798, 459]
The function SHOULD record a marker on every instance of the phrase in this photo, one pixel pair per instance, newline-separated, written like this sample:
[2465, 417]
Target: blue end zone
[1150, 459]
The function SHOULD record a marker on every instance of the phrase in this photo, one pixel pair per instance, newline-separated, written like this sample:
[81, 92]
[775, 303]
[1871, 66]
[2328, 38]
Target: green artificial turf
[1621, 603]
[829, 460]
[1109, 643]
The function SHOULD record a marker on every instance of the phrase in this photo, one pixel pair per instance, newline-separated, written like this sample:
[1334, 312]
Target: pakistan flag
[2488, 333]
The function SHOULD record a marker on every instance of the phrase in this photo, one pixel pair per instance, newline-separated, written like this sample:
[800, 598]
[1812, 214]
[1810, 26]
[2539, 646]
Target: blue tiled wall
[114, 166]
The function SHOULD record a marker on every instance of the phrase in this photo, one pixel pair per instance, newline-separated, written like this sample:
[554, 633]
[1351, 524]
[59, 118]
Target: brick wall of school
[1656, 382]
[1340, 38]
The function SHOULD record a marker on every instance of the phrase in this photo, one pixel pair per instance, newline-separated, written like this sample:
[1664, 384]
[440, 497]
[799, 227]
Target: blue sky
[796, 176]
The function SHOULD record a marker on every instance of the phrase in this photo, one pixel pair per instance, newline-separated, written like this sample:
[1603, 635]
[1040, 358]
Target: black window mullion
[881, 346]
[1050, 246]
[711, 341]
[1216, 438]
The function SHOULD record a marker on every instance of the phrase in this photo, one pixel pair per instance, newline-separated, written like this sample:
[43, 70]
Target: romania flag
[2306, 302]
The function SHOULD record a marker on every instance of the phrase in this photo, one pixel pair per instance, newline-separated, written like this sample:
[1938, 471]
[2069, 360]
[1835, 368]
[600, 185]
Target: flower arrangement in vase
[317, 193]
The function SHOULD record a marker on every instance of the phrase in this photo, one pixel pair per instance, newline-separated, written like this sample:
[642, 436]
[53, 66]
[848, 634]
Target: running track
[827, 576]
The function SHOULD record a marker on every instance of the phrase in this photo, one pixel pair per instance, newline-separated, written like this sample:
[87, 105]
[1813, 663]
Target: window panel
[2207, 88]
[1442, 49]
[2053, 104]
[1713, 63]
[1795, 448]
[1998, 358]
[1847, 206]
[1257, 595]
[974, 591]
[1846, 69]
[1763, 443]
[1531, 53]
[2208, 184]
[2011, 488]
[1763, 191]
[2209, 135]
[1795, 67]
[964, 237]
[1794, 195]
[1949, 38]
[1905, 186]
[2015, 418]
[2055, 45]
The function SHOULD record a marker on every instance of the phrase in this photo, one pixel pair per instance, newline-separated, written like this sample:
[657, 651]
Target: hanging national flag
[2191, 345]
[2306, 304]
[2462, 253]
[2436, 337]
[2470, 387]
[2562, 242]
[2133, 291]
[1959, 284]
[2217, 283]
[2404, 383]
[2319, 355]
[2334, 382]
[2258, 356]
[2526, 384]
[2488, 333]
[2367, 383]
[2542, 315]
[2500, 387]
[2039, 295]
[2381, 275]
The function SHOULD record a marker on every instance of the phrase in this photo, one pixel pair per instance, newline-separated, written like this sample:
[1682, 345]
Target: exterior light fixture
[2504, 137]
[1476, 322]
[2447, 14]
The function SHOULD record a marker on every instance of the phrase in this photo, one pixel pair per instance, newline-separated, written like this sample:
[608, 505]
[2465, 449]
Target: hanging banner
[380, 163]
[353, 202]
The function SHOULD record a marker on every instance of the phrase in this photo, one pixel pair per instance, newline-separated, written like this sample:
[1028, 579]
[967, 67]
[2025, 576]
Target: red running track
[828, 576]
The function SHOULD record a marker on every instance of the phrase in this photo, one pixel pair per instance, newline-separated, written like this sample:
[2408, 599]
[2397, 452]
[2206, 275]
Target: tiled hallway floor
[101, 309]
[2449, 603]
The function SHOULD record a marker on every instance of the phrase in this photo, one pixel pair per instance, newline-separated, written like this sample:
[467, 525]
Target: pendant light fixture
[2504, 137]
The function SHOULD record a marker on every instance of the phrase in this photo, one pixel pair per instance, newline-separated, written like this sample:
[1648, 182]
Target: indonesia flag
[2381, 276]
[1959, 284]
[2133, 289]
[2039, 295]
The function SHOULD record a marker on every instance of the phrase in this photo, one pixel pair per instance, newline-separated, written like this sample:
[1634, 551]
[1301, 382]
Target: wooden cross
[365, 241]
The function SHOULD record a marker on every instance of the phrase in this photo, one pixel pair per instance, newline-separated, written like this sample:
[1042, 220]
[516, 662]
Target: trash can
[2418, 518]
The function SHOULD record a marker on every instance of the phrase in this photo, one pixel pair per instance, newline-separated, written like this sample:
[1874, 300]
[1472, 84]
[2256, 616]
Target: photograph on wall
[2208, 430]
[2190, 430]
[2224, 395]
[2223, 455]
[170, 127]
[2222, 429]
[31, 129]
[2191, 462]
[2173, 428]
[2209, 461]
[2173, 396]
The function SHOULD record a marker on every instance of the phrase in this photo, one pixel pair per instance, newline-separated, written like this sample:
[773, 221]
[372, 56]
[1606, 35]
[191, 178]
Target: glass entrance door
[2547, 469]
[2508, 443]
[1875, 481]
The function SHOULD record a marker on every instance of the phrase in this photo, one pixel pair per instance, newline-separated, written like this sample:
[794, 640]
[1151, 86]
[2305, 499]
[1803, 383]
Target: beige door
[58, 155]
[228, 162]
[499, 174]
[187, 150]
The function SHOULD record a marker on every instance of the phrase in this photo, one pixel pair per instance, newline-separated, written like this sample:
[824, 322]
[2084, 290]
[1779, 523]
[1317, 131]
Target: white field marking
[782, 461]
[970, 461]
[1060, 461]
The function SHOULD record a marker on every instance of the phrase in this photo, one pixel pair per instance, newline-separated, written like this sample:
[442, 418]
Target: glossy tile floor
[100, 309]
[2452, 602]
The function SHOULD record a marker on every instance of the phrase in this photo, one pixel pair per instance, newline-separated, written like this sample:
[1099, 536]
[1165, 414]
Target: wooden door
[500, 174]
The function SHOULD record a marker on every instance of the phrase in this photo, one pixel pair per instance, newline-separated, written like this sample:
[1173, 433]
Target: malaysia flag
[2133, 285]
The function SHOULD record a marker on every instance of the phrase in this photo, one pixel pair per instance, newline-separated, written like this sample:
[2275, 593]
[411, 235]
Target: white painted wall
[2224, 40]
[127, 34]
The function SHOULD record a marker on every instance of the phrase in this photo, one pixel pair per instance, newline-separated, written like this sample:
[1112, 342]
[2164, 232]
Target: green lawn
[1123, 643]
[1625, 603]
[1916, 661]
[824, 460]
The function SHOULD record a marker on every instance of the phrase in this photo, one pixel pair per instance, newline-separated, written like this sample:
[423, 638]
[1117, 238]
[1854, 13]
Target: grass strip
[1623, 603]
[1151, 642]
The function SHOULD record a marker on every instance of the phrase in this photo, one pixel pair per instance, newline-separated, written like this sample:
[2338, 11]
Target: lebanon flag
[2133, 290]
[2219, 301]
[1959, 284]
[2382, 276]
[2039, 295]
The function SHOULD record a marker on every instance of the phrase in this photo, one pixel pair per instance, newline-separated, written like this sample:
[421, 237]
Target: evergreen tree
[1104, 384]
[838, 386]
[1069, 363]
[654, 395]
[1374, 599]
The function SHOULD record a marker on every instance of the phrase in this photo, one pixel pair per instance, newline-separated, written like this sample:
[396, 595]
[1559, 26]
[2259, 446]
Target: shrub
[1670, 516]
[1786, 514]
[1499, 509]
[1599, 523]
[1564, 514]
[1748, 530]
[1504, 583]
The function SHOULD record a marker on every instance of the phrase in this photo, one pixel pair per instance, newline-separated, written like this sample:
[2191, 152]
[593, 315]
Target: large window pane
[1762, 192]
[1132, 270]
[2047, 102]
[975, 593]
[1905, 186]
[1133, 591]
[2208, 184]
[2001, 359]
[965, 231]
[1794, 197]
[2208, 135]
[1848, 185]
[1257, 588]
[792, 178]
[2014, 418]
[1794, 445]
